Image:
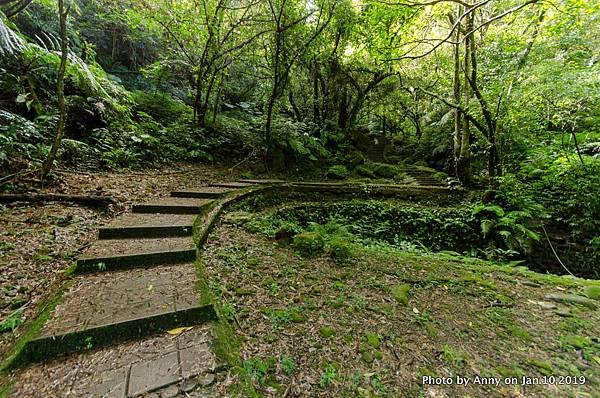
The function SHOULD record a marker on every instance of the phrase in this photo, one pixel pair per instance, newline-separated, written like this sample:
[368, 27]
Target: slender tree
[63, 12]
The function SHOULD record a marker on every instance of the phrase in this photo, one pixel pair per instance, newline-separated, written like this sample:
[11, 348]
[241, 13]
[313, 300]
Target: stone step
[235, 185]
[202, 193]
[153, 366]
[262, 182]
[144, 225]
[108, 308]
[172, 206]
[321, 184]
[111, 254]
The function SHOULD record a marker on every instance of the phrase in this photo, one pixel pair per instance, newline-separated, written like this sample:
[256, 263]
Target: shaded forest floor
[378, 323]
[38, 242]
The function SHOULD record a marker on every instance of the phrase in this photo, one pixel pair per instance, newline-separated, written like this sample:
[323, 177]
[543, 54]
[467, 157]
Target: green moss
[326, 332]
[575, 341]
[543, 367]
[518, 332]
[401, 292]
[340, 250]
[592, 292]
[18, 356]
[308, 243]
[373, 340]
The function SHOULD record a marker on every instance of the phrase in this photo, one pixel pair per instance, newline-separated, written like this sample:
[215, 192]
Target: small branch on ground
[97, 201]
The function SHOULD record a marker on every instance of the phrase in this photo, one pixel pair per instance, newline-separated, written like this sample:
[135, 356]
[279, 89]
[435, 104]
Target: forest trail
[136, 282]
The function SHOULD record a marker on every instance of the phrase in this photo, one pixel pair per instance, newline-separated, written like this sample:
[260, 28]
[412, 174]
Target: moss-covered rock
[308, 243]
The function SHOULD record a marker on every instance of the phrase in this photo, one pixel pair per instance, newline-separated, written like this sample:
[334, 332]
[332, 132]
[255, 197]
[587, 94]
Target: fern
[10, 41]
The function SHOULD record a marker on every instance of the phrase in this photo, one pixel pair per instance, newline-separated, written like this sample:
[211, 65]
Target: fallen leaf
[177, 331]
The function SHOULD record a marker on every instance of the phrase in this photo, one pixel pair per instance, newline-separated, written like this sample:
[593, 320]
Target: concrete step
[202, 193]
[321, 184]
[172, 206]
[262, 182]
[109, 308]
[157, 365]
[109, 254]
[144, 225]
[235, 185]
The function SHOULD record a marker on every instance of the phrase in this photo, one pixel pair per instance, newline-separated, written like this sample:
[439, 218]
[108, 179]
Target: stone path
[134, 284]
[129, 288]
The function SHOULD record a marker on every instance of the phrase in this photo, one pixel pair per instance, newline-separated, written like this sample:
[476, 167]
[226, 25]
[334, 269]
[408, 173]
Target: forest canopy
[497, 95]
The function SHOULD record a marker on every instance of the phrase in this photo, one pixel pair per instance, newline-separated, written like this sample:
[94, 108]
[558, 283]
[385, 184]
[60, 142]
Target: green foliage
[259, 369]
[401, 293]
[287, 364]
[12, 321]
[338, 172]
[592, 292]
[308, 243]
[340, 249]
[385, 170]
[328, 376]
[507, 226]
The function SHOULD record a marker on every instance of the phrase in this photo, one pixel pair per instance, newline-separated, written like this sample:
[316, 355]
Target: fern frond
[10, 42]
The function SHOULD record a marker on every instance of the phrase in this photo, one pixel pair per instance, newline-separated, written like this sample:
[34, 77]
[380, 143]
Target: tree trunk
[461, 171]
[60, 89]
[268, 132]
[463, 163]
[316, 115]
[198, 119]
[297, 113]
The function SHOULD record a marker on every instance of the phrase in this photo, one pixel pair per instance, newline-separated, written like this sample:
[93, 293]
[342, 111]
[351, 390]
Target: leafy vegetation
[497, 102]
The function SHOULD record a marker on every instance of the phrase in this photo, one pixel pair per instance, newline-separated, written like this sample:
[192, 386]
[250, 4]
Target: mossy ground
[314, 327]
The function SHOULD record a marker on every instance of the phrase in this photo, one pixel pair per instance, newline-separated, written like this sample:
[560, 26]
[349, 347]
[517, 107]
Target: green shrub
[440, 176]
[364, 171]
[385, 170]
[338, 172]
[161, 106]
[340, 250]
[308, 243]
[354, 159]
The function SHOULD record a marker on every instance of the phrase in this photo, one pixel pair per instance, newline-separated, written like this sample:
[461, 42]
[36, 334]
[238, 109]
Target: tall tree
[63, 12]
[295, 26]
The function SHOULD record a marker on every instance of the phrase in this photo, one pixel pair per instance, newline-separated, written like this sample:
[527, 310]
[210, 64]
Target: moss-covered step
[235, 185]
[172, 206]
[105, 309]
[111, 254]
[324, 184]
[397, 191]
[262, 182]
[202, 192]
[148, 225]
